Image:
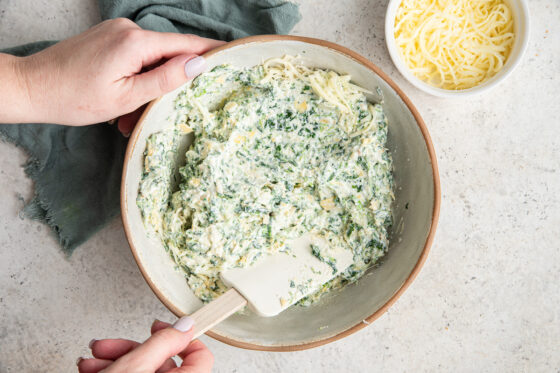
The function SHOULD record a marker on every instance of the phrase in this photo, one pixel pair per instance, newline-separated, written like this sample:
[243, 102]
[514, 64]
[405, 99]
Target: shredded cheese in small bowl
[445, 47]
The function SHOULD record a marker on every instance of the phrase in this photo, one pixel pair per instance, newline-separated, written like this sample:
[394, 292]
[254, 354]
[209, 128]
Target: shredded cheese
[334, 88]
[454, 44]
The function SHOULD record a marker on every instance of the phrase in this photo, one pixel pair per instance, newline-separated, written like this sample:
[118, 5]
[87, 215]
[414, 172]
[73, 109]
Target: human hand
[154, 355]
[105, 72]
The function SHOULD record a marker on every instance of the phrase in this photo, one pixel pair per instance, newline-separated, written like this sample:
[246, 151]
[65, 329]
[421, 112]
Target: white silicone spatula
[276, 282]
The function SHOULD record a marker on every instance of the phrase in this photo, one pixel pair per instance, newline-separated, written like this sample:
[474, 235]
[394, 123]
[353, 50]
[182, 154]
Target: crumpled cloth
[77, 170]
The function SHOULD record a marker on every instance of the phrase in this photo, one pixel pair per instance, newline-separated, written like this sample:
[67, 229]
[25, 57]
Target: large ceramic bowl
[339, 313]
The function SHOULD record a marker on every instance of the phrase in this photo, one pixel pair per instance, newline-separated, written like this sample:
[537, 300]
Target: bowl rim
[429, 239]
[521, 38]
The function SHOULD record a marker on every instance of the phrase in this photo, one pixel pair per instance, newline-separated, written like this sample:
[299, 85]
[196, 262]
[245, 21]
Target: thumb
[167, 77]
[162, 345]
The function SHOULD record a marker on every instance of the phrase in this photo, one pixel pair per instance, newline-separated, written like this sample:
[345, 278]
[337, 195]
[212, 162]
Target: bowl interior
[415, 211]
[520, 13]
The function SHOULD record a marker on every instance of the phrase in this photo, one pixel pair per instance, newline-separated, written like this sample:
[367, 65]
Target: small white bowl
[521, 29]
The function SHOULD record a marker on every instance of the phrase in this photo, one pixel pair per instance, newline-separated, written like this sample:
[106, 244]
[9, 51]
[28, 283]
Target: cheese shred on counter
[279, 150]
[454, 44]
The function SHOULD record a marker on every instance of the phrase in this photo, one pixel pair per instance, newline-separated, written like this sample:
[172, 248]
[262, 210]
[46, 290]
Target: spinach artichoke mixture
[279, 150]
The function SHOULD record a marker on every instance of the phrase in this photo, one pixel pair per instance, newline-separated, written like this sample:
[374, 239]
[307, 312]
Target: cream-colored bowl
[520, 13]
[340, 313]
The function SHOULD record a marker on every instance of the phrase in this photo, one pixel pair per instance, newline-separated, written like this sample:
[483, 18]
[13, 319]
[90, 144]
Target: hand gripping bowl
[339, 313]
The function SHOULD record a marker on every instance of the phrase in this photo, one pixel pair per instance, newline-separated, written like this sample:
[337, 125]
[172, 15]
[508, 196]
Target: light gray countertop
[488, 298]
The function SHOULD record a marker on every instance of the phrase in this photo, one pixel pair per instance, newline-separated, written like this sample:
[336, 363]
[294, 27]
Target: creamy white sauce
[279, 150]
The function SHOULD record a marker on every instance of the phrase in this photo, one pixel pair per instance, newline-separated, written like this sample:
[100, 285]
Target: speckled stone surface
[488, 298]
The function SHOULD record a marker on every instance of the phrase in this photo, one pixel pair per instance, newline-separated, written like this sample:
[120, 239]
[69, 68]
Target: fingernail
[79, 360]
[90, 344]
[184, 324]
[195, 67]
[127, 134]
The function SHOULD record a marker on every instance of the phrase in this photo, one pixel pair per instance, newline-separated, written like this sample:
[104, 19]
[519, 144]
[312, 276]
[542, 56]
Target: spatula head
[277, 281]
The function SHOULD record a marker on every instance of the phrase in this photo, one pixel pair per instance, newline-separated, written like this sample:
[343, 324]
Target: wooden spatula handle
[216, 311]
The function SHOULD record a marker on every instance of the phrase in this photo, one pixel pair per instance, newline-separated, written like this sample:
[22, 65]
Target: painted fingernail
[195, 67]
[90, 344]
[127, 134]
[79, 360]
[184, 324]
